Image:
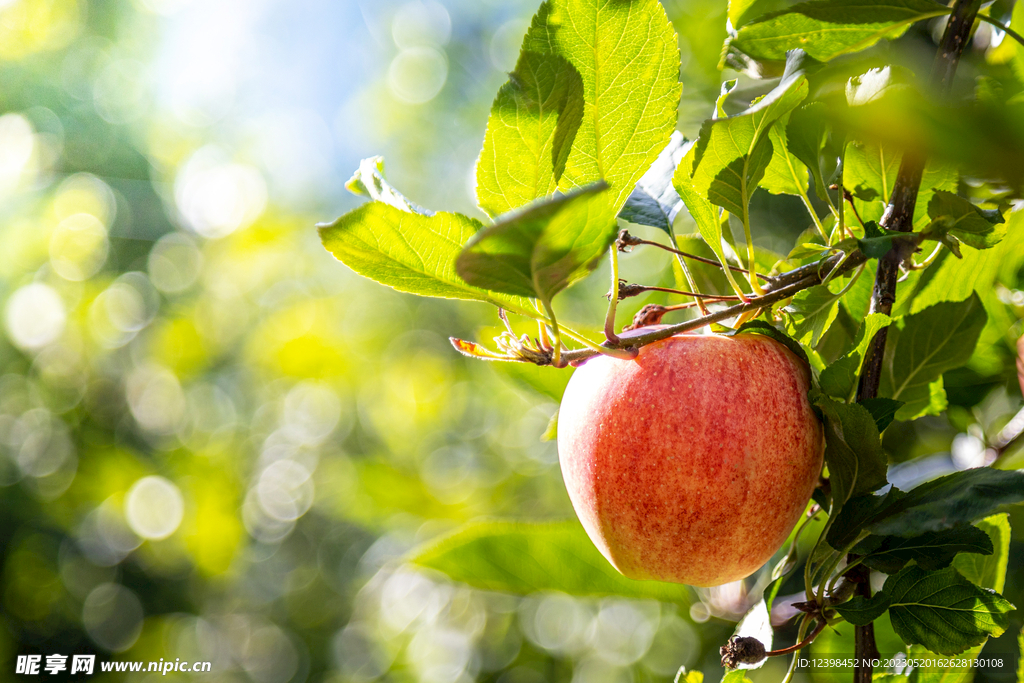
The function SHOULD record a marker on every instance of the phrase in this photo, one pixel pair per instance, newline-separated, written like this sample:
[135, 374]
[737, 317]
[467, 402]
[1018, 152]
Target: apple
[692, 462]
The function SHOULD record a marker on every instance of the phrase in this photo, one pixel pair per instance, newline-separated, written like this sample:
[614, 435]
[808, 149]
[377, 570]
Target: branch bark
[899, 215]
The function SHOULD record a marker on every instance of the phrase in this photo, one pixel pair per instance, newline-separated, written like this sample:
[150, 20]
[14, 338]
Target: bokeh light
[154, 508]
[34, 316]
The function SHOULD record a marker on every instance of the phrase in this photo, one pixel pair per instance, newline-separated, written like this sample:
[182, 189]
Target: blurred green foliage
[217, 444]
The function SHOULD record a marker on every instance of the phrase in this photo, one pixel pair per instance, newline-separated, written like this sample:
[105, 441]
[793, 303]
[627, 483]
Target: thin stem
[808, 573]
[634, 290]
[792, 663]
[686, 270]
[800, 645]
[848, 196]
[621, 353]
[931, 257]
[1002, 27]
[751, 261]
[557, 345]
[613, 300]
[814, 215]
[675, 250]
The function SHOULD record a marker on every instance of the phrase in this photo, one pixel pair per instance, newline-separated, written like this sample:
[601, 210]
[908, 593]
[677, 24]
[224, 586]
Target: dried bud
[741, 650]
[650, 314]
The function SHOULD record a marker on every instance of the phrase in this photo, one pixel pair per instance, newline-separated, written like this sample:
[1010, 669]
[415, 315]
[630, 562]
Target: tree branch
[899, 215]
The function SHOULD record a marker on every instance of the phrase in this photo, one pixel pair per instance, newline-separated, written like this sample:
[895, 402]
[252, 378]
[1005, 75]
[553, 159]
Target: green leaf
[840, 378]
[410, 252]
[703, 212]
[883, 410]
[979, 270]
[947, 501]
[853, 450]
[654, 201]
[860, 610]
[533, 122]
[829, 28]
[858, 512]
[543, 248]
[965, 221]
[732, 187]
[628, 56]
[931, 550]
[526, 557]
[732, 153]
[812, 312]
[806, 132]
[943, 611]
[369, 181]
[987, 571]
[785, 173]
[924, 345]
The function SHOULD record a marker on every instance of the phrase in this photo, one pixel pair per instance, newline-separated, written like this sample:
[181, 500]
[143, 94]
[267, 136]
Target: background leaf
[628, 56]
[541, 249]
[829, 28]
[943, 611]
[530, 131]
[525, 557]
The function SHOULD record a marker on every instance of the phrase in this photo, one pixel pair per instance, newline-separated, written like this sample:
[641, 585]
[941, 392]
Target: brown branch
[899, 215]
[794, 281]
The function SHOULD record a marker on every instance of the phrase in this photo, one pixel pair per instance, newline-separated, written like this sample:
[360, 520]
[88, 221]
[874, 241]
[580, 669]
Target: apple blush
[692, 462]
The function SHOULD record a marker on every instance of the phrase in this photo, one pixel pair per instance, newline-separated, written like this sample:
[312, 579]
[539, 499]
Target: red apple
[693, 462]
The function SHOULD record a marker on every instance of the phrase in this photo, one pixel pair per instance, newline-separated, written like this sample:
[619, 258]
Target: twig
[811, 275]
[802, 644]
[628, 240]
[625, 290]
[899, 215]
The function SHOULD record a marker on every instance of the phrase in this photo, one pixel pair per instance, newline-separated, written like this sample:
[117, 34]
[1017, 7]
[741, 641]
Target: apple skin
[694, 461]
